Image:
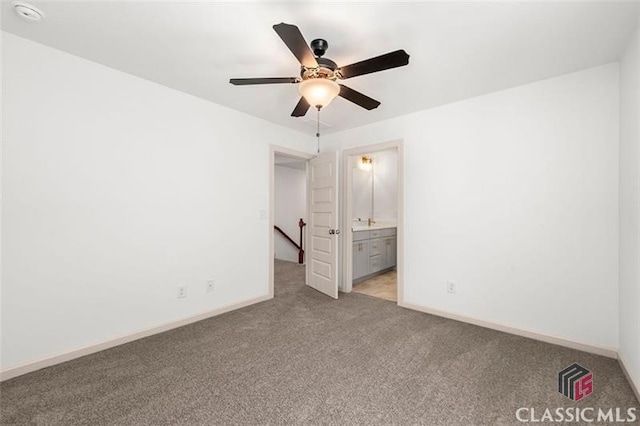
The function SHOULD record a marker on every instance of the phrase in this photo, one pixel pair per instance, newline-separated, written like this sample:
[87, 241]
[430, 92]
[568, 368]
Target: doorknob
[332, 231]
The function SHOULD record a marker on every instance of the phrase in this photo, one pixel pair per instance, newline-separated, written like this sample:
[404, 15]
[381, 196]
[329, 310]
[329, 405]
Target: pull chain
[318, 131]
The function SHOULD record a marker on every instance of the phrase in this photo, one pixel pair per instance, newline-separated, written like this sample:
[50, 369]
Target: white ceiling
[458, 50]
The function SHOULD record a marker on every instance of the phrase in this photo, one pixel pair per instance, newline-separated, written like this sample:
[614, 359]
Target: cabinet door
[360, 259]
[375, 264]
[393, 251]
[388, 251]
[354, 260]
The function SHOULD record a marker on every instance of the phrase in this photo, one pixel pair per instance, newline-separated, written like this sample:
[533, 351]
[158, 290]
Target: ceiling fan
[318, 75]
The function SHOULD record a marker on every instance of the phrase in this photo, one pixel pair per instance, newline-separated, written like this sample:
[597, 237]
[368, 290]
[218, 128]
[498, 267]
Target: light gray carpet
[303, 358]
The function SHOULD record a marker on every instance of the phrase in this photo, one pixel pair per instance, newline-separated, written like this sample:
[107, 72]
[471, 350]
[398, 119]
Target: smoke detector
[27, 11]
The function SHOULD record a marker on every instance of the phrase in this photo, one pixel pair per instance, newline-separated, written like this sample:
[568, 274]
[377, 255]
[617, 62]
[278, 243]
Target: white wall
[630, 208]
[514, 196]
[116, 191]
[290, 205]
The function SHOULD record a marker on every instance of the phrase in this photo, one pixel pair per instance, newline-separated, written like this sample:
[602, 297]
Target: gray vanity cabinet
[373, 251]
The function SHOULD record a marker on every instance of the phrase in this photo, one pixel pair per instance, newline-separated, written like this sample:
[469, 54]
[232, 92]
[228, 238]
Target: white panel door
[322, 267]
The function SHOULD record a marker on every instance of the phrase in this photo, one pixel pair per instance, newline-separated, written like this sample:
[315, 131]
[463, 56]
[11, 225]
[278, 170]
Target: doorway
[373, 221]
[288, 215]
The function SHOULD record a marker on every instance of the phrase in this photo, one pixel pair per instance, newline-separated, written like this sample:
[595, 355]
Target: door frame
[348, 157]
[303, 156]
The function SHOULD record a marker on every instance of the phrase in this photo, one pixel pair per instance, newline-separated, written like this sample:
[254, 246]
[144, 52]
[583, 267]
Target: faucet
[370, 222]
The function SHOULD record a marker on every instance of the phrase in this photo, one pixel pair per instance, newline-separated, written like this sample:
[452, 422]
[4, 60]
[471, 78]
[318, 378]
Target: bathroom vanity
[374, 251]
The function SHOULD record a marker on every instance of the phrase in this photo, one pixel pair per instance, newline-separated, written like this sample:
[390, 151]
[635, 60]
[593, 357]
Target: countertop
[356, 228]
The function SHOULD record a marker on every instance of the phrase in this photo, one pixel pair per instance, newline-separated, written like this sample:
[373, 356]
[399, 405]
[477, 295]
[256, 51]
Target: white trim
[348, 155]
[586, 347]
[273, 150]
[635, 386]
[48, 361]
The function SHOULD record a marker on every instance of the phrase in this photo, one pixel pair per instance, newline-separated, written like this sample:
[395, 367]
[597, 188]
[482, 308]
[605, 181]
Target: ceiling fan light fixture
[319, 92]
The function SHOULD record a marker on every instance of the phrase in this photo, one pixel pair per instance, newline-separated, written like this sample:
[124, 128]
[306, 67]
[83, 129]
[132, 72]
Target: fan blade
[269, 80]
[395, 59]
[292, 37]
[300, 109]
[358, 98]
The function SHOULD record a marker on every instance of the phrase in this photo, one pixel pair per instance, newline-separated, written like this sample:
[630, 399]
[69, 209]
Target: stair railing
[300, 248]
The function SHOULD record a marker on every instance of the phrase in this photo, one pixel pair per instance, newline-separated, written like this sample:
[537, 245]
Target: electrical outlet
[451, 287]
[182, 291]
[210, 287]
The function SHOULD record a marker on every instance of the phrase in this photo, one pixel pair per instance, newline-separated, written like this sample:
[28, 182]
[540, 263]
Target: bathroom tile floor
[384, 286]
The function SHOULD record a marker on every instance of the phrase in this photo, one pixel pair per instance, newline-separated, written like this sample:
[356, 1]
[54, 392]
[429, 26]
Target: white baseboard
[594, 349]
[632, 382]
[48, 361]
[90, 349]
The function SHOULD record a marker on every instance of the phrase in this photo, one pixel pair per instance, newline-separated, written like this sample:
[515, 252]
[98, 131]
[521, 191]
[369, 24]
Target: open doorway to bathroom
[372, 207]
[375, 220]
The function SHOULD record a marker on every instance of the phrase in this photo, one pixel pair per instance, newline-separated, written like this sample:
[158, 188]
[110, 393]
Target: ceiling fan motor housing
[326, 69]
[319, 46]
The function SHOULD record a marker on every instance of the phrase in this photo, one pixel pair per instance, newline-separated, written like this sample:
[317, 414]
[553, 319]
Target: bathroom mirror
[374, 188]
